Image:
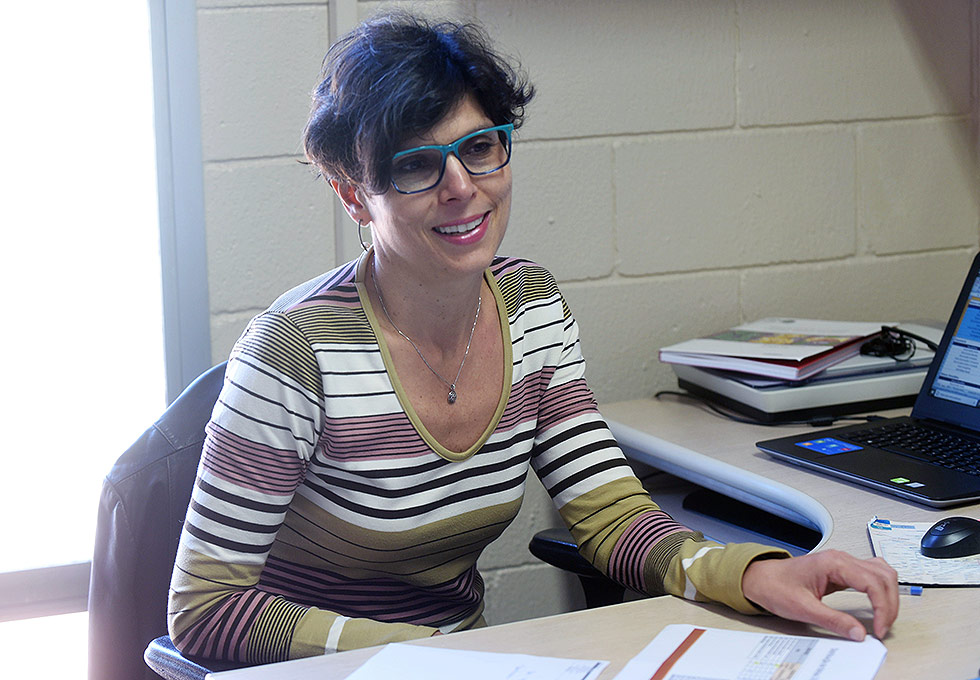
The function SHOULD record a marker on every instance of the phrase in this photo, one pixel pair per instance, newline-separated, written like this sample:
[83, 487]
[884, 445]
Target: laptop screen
[958, 378]
[953, 393]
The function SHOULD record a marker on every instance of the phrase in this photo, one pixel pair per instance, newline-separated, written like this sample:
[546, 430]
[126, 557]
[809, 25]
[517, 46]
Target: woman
[377, 423]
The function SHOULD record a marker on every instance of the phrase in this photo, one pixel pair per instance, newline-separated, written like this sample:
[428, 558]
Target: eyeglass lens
[481, 153]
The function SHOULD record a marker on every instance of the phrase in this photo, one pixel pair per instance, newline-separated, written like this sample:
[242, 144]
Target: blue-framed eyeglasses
[480, 153]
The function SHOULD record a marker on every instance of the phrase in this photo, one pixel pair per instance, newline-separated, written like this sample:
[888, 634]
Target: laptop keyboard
[917, 441]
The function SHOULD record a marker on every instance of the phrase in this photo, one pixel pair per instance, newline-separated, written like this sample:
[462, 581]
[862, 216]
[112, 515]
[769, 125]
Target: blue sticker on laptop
[829, 446]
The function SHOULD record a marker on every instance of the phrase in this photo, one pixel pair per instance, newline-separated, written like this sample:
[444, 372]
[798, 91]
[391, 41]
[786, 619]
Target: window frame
[180, 177]
[63, 588]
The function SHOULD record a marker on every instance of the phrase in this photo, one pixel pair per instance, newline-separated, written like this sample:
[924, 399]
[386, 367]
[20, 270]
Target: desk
[935, 636]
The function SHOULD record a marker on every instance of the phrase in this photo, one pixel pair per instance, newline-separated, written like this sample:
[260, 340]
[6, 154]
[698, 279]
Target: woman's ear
[352, 199]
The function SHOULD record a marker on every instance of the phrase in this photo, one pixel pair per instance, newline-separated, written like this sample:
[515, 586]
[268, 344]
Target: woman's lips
[466, 231]
[462, 227]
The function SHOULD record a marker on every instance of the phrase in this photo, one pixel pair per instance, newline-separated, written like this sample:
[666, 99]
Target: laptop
[931, 456]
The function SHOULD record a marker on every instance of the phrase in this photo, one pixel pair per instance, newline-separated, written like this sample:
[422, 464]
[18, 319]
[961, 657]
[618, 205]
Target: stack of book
[787, 349]
[779, 370]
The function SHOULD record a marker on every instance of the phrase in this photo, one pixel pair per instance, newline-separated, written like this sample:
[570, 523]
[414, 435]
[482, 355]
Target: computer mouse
[952, 537]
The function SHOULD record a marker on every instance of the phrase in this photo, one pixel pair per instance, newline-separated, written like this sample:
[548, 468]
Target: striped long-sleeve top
[325, 517]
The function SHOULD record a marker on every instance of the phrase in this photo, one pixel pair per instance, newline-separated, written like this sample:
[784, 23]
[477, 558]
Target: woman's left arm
[610, 515]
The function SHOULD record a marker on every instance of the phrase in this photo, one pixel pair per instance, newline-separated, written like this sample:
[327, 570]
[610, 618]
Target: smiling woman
[84, 373]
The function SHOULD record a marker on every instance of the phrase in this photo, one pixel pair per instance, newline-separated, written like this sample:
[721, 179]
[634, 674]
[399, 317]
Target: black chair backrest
[141, 513]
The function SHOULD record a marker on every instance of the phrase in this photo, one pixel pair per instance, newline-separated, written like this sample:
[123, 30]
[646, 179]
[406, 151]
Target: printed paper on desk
[898, 544]
[413, 662]
[694, 653]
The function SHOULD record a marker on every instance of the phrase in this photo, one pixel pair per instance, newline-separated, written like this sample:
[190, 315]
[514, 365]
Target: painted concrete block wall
[268, 222]
[685, 167]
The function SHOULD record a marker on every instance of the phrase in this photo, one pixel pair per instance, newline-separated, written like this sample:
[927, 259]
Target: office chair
[141, 512]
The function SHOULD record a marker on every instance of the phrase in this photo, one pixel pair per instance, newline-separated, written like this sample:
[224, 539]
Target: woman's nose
[456, 181]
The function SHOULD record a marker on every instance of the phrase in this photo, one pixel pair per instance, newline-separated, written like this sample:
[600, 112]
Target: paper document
[683, 652]
[413, 662]
[898, 544]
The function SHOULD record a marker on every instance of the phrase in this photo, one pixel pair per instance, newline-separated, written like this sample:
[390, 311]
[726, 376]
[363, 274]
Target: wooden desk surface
[936, 635]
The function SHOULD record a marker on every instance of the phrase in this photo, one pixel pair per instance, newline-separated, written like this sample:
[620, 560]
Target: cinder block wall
[685, 167]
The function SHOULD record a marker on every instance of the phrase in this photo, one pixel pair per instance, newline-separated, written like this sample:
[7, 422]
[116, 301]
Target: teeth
[460, 228]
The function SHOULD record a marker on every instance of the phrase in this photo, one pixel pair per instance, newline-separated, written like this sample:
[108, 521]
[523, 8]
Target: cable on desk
[818, 421]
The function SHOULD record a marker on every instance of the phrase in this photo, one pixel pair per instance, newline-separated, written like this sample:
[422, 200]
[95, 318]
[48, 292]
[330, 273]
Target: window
[83, 337]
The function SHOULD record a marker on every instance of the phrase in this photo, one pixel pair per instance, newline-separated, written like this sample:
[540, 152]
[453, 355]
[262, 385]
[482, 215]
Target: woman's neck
[438, 312]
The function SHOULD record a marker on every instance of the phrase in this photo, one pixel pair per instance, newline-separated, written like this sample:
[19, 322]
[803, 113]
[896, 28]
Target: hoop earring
[360, 236]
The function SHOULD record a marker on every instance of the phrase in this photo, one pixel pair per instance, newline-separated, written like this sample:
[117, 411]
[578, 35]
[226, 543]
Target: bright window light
[82, 336]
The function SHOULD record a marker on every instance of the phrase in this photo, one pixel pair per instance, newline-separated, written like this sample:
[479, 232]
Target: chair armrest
[556, 547]
[167, 662]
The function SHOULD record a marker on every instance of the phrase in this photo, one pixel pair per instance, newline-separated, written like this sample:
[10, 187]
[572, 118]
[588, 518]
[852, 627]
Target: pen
[905, 590]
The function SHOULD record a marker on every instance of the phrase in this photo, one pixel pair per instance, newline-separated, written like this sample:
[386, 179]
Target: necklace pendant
[451, 397]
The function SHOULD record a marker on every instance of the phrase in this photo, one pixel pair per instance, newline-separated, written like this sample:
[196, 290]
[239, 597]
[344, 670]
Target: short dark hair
[396, 76]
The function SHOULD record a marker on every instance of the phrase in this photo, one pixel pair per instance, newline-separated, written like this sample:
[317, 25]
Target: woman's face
[452, 229]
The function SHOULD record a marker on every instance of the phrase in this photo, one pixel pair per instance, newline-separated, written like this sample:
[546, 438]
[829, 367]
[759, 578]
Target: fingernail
[856, 633]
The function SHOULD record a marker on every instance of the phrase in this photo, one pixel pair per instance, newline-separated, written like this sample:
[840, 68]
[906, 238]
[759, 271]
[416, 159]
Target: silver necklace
[451, 398]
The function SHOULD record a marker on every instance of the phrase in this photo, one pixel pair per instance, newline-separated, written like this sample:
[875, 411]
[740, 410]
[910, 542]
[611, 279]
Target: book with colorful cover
[784, 348]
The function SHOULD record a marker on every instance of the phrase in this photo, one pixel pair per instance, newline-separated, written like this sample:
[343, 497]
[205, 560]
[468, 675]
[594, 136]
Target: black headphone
[895, 343]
